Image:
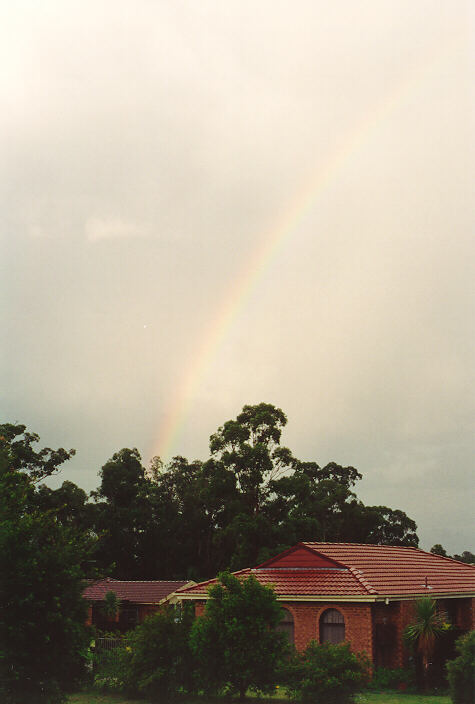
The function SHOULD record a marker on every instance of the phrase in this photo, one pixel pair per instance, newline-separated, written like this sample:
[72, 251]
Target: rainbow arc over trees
[272, 241]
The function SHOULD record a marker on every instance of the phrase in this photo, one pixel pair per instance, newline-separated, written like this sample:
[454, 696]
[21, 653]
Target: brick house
[137, 600]
[363, 594]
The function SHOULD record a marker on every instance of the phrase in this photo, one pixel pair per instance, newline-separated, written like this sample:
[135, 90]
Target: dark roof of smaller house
[356, 571]
[152, 592]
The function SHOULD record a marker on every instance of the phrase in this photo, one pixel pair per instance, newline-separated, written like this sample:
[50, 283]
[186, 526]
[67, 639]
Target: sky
[207, 204]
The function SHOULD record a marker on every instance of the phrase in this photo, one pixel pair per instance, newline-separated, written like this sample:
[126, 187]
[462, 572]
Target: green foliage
[110, 669]
[326, 674]
[235, 644]
[427, 625]
[160, 662]
[461, 671]
[422, 633]
[467, 557]
[37, 464]
[111, 605]
[438, 549]
[190, 520]
[43, 640]
[385, 678]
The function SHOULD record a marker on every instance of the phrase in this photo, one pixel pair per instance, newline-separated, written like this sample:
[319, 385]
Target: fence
[108, 645]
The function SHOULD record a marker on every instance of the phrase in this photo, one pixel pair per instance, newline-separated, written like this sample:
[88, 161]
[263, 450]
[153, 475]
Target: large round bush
[326, 674]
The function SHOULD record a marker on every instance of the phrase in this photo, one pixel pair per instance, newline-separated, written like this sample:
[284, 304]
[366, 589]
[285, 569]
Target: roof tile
[137, 592]
[365, 570]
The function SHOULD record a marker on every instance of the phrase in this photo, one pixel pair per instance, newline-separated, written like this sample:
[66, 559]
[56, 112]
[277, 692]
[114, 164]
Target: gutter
[363, 598]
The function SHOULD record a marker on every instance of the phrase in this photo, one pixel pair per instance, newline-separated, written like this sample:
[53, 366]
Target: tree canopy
[235, 641]
[250, 499]
[42, 633]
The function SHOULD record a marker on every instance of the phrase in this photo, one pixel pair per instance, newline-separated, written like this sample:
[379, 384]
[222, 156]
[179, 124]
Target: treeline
[251, 499]
[467, 556]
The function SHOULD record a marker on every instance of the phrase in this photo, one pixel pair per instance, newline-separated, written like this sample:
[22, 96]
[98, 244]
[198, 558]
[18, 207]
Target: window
[129, 616]
[286, 625]
[332, 627]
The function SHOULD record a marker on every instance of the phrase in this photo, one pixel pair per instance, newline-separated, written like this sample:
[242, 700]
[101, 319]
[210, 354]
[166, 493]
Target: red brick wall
[199, 608]
[145, 610]
[465, 614]
[361, 621]
[358, 626]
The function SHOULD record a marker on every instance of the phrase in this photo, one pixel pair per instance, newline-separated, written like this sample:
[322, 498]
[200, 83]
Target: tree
[121, 515]
[467, 557]
[250, 447]
[424, 630]
[234, 642]
[249, 500]
[461, 671]
[437, 549]
[43, 639]
[315, 503]
[68, 503]
[391, 527]
[160, 664]
[23, 457]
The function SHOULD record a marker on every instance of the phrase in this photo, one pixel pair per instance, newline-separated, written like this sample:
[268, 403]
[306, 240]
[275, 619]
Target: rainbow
[271, 242]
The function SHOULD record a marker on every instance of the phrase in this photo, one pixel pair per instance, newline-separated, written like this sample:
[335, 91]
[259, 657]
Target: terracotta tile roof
[201, 589]
[137, 592]
[361, 571]
[400, 570]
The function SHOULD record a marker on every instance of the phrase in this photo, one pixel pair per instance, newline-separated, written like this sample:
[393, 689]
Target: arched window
[286, 625]
[332, 627]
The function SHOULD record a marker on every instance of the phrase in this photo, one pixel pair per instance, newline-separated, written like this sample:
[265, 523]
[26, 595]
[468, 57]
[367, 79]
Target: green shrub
[159, 662]
[461, 671]
[110, 670]
[384, 678]
[326, 674]
[234, 642]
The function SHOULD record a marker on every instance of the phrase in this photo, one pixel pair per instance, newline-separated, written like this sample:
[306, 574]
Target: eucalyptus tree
[42, 634]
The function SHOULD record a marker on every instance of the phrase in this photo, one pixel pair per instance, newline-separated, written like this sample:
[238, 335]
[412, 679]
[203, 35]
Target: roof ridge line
[215, 579]
[141, 581]
[365, 545]
[357, 573]
[446, 557]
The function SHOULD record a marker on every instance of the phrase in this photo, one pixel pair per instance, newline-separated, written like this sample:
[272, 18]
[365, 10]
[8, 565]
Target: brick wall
[199, 608]
[465, 614]
[358, 628]
[362, 623]
[145, 610]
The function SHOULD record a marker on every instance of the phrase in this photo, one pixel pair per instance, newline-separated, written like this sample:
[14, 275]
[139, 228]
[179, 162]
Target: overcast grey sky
[152, 279]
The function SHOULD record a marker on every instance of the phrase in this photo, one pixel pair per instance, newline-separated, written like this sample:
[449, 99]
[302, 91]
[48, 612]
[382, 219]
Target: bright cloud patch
[109, 228]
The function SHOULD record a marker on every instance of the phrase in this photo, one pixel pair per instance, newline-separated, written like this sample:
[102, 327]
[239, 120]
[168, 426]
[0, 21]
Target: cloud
[112, 228]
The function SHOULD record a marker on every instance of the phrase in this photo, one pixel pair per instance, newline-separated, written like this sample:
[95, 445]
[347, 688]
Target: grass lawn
[400, 698]
[94, 698]
[366, 698]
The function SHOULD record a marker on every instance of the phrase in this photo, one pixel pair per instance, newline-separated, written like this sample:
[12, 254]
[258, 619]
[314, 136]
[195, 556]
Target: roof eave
[368, 598]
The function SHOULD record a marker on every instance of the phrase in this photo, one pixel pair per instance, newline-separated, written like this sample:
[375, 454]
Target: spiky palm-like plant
[423, 632]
